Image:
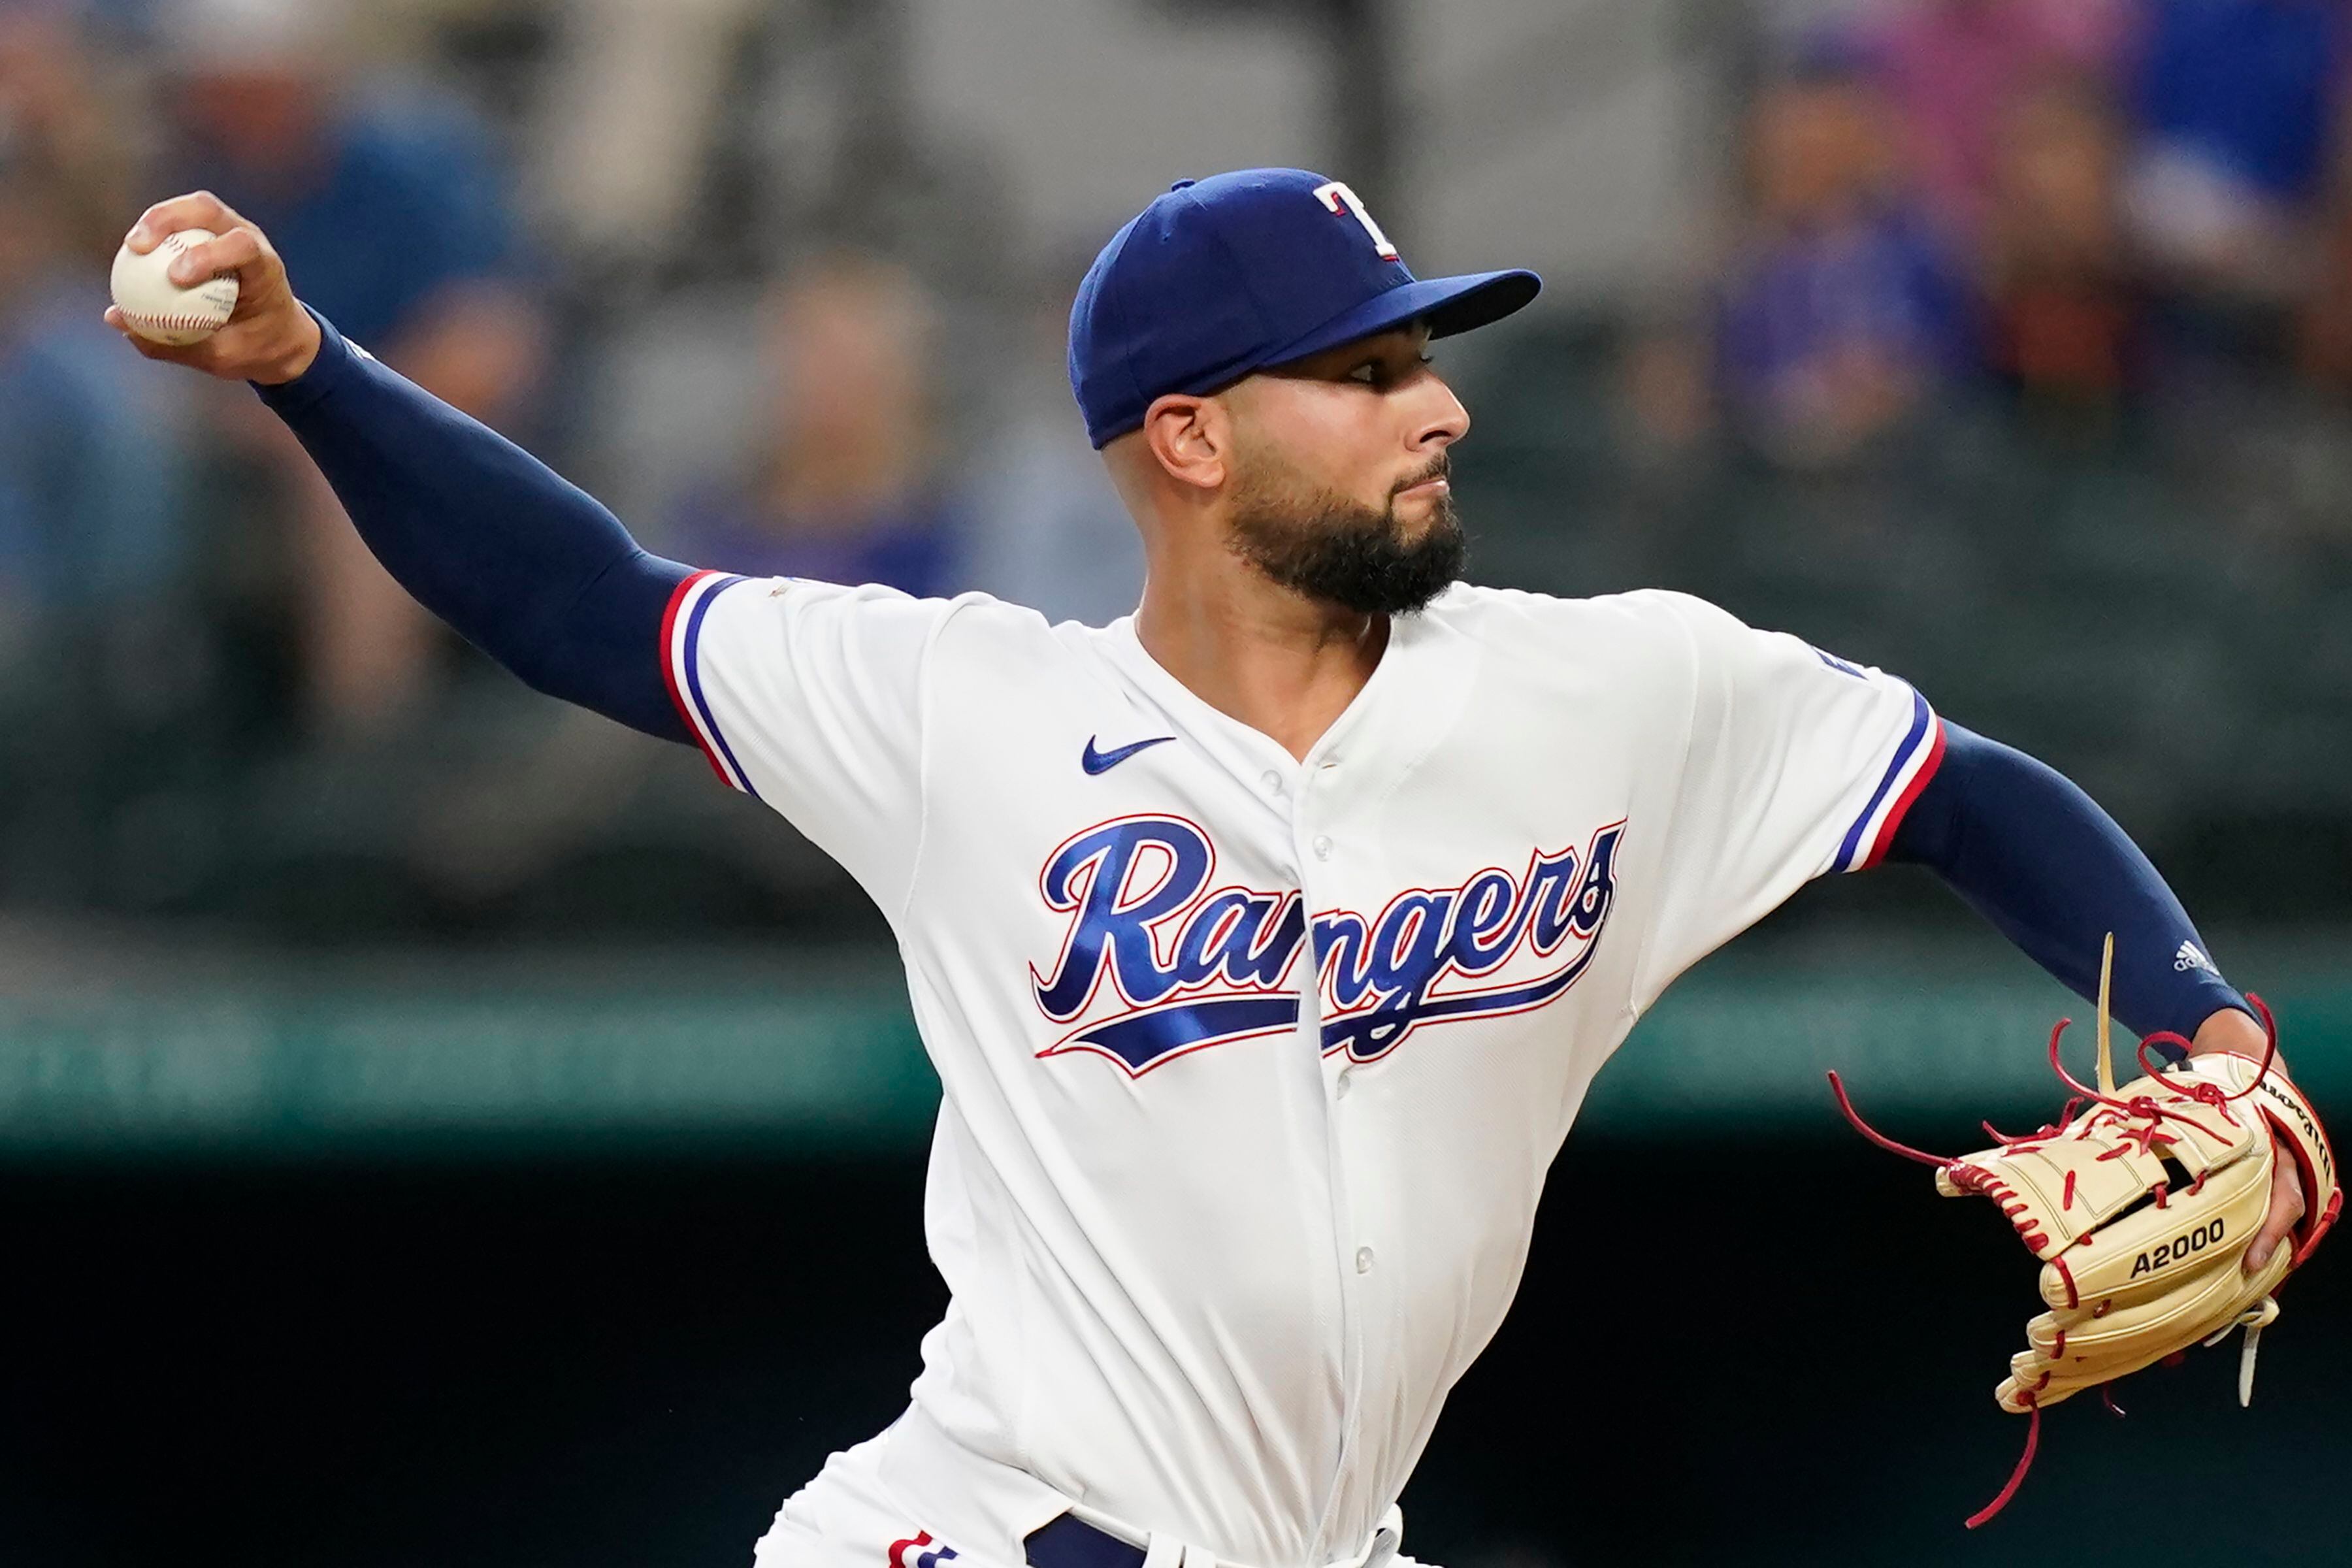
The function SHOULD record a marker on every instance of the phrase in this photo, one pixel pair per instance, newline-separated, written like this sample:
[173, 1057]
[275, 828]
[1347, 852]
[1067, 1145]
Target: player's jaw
[1392, 559]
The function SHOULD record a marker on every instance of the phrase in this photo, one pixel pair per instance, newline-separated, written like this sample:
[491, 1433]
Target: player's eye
[1382, 371]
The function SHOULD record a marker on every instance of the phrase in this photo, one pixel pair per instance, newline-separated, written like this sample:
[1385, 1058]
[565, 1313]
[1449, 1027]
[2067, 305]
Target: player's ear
[1190, 439]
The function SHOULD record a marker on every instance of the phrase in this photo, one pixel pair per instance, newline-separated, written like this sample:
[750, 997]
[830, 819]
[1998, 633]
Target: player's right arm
[526, 566]
[806, 695]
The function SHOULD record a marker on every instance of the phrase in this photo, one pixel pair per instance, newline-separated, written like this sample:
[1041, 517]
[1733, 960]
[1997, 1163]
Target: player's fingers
[197, 209]
[2286, 1208]
[204, 356]
[235, 251]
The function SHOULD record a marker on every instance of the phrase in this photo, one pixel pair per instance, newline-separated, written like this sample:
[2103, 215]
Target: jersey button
[1347, 1081]
[1322, 847]
[1271, 781]
[1363, 1260]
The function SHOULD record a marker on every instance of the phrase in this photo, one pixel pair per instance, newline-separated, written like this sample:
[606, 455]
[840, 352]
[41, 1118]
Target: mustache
[1441, 467]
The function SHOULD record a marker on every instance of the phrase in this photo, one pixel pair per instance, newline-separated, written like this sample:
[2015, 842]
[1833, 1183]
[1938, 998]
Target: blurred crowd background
[2005, 344]
[438, 1126]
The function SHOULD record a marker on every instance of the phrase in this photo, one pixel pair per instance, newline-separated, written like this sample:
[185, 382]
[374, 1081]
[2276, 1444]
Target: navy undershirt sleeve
[2034, 855]
[530, 569]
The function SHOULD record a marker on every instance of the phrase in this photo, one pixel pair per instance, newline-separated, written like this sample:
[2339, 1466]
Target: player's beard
[1327, 546]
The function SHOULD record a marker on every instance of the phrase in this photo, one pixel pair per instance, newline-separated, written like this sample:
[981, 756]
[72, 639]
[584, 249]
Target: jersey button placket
[1325, 804]
[1317, 804]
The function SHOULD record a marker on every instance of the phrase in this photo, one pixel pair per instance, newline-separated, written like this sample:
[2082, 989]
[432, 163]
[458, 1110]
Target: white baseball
[158, 309]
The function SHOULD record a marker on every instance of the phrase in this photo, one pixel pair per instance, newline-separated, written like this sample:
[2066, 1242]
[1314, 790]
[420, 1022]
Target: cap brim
[1449, 305]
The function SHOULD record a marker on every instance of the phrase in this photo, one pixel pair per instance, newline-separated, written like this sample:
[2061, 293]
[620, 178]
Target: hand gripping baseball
[269, 337]
[2142, 1203]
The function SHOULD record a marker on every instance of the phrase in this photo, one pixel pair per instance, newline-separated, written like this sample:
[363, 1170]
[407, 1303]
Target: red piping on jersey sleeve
[678, 696]
[1886, 829]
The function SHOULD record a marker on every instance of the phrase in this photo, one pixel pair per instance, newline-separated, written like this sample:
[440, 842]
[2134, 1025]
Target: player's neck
[1285, 665]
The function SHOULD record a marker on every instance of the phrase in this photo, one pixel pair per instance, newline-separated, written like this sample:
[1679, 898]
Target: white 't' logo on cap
[1336, 196]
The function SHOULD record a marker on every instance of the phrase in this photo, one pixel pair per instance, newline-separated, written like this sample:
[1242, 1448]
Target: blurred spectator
[2065, 310]
[1668, 397]
[636, 107]
[841, 487]
[57, 96]
[2324, 331]
[96, 652]
[88, 454]
[394, 221]
[1951, 68]
[2238, 101]
[1048, 531]
[1843, 307]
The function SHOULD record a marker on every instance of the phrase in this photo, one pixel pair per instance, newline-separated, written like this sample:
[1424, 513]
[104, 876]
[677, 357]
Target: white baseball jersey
[1252, 1066]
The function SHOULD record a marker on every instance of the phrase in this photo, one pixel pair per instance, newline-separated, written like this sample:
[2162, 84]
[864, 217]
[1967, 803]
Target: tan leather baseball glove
[2140, 1201]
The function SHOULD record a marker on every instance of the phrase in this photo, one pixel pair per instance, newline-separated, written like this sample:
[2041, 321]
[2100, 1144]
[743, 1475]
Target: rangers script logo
[1191, 965]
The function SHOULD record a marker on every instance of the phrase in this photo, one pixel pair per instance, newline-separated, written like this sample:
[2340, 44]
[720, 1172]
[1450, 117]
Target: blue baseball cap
[1224, 276]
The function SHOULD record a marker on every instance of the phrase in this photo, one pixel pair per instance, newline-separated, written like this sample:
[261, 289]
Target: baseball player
[1265, 941]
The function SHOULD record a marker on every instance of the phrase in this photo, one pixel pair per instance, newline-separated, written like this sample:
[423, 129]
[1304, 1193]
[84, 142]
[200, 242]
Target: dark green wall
[426, 1054]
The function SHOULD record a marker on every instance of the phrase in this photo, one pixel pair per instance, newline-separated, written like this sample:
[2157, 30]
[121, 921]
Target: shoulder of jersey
[1009, 640]
[1507, 613]
[985, 614]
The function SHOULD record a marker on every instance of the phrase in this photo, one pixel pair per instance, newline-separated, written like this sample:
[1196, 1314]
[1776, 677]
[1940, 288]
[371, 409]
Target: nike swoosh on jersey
[1096, 761]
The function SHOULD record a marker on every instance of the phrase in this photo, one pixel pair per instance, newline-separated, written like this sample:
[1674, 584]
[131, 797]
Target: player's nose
[1439, 418]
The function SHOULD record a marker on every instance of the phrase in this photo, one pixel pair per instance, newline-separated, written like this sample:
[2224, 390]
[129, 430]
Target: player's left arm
[2031, 852]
